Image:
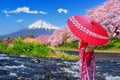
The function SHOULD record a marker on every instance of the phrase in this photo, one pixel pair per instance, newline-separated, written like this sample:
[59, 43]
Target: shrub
[30, 48]
[72, 45]
[113, 43]
[30, 36]
[21, 47]
[40, 50]
[33, 49]
[3, 46]
[69, 57]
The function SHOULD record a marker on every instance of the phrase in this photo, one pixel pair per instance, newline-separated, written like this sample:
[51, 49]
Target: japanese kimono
[87, 67]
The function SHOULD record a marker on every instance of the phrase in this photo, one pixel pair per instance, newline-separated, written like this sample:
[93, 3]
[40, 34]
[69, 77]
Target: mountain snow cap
[42, 24]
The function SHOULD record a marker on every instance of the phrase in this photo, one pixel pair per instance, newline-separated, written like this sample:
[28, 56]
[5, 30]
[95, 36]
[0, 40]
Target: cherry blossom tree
[108, 15]
[58, 37]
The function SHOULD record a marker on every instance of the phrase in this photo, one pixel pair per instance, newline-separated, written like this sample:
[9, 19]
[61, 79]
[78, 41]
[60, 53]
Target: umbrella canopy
[88, 30]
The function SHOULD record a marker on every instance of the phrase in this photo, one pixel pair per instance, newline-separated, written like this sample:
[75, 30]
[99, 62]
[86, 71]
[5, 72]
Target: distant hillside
[38, 28]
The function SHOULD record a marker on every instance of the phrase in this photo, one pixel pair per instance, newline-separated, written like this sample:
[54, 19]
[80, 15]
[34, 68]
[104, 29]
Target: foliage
[3, 46]
[63, 55]
[69, 57]
[64, 38]
[30, 48]
[71, 45]
[30, 36]
[21, 48]
[114, 43]
[33, 49]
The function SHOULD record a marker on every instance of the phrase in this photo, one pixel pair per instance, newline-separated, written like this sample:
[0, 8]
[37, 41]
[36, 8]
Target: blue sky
[18, 14]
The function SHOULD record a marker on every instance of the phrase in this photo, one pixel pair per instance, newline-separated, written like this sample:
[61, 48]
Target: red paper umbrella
[88, 30]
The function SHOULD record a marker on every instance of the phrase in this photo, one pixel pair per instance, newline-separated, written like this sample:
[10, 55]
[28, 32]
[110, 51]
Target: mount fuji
[42, 24]
[36, 29]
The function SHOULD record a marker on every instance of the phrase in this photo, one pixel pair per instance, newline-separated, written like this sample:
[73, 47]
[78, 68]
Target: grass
[63, 56]
[112, 45]
[34, 49]
[68, 46]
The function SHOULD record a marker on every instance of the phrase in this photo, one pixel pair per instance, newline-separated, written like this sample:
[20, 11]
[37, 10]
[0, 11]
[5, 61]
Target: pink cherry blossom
[108, 14]
[29, 39]
[57, 37]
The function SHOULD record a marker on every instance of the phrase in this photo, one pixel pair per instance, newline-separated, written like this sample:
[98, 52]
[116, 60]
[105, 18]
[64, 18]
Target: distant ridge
[36, 29]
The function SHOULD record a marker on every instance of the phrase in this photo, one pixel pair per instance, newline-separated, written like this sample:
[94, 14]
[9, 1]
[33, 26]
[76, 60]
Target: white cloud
[7, 15]
[19, 20]
[61, 10]
[24, 10]
[42, 12]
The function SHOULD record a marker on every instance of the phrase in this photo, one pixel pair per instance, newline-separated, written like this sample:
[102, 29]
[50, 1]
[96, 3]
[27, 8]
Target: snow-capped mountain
[36, 29]
[42, 24]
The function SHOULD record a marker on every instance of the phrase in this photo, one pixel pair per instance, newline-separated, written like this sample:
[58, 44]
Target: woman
[89, 31]
[87, 67]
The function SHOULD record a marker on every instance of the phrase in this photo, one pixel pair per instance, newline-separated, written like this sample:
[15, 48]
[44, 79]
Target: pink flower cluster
[57, 37]
[108, 15]
[29, 39]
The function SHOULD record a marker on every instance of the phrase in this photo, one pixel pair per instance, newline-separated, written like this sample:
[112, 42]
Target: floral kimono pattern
[87, 67]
